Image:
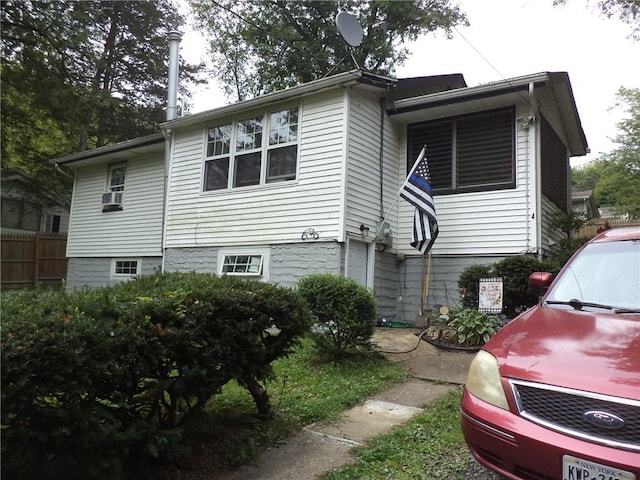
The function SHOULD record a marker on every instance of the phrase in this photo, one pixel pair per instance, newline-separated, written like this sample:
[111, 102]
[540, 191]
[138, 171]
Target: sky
[510, 38]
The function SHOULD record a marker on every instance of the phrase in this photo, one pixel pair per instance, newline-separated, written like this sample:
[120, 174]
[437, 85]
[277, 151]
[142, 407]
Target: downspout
[538, 174]
[381, 157]
[174, 38]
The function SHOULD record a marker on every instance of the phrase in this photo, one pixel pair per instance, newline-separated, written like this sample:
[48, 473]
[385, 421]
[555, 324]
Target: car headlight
[483, 380]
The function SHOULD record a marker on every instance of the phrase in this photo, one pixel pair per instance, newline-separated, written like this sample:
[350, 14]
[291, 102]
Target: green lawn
[306, 390]
[430, 446]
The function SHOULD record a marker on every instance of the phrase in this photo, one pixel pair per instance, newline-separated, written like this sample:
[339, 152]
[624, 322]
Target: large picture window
[240, 154]
[470, 153]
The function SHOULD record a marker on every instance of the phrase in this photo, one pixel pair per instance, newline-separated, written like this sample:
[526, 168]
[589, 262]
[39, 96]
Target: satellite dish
[350, 28]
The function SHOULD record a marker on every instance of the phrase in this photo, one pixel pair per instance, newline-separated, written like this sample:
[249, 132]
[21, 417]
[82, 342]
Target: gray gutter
[469, 93]
[110, 149]
[345, 79]
[502, 87]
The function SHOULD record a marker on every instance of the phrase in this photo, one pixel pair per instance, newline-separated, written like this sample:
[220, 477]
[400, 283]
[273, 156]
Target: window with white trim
[117, 174]
[244, 262]
[239, 154]
[125, 268]
[468, 153]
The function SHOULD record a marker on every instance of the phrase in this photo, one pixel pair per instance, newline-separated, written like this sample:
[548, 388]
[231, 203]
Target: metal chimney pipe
[174, 53]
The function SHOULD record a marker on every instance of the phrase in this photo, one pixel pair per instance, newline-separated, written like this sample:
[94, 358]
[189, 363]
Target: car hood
[574, 349]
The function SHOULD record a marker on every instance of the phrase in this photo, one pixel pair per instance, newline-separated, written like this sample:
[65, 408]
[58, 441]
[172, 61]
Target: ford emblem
[603, 419]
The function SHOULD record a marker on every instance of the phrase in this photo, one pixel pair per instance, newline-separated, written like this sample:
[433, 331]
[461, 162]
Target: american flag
[417, 191]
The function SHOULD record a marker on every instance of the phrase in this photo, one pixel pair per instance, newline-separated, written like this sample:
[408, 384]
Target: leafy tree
[261, 46]
[615, 177]
[79, 75]
[626, 10]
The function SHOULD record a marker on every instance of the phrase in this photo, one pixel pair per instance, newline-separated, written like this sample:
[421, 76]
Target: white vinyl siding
[364, 206]
[269, 213]
[136, 230]
[499, 222]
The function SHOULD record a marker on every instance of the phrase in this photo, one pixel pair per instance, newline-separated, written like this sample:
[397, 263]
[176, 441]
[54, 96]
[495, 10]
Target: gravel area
[475, 471]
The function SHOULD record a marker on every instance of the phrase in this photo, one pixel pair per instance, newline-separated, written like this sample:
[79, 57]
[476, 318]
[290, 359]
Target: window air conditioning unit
[112, 199]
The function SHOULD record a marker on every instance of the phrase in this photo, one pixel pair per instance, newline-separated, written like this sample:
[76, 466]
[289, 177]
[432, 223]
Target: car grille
[563, 410]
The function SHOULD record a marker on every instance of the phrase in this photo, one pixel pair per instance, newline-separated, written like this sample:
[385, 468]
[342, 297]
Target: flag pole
[395, 200]
[427, 282]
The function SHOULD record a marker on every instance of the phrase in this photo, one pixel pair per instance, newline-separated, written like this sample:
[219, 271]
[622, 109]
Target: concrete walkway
[320, 448]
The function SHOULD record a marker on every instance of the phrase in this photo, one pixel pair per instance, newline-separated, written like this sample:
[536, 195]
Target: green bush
[469, 282]
[345, 313]
[514, 271]
[473, 328]
[95, 381]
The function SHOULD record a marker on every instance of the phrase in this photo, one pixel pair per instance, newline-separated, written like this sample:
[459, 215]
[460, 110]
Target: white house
[306, 179]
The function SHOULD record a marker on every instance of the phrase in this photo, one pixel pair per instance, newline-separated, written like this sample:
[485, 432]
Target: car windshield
[605, 273]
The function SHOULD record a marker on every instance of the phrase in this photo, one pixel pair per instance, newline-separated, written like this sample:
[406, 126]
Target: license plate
[574, 468]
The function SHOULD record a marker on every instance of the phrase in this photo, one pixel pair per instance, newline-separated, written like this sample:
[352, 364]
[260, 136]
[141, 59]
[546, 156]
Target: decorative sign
[490, 295]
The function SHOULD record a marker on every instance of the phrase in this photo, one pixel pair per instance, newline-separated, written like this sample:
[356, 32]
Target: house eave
[115, 152]
[341, 80]
[510, 90]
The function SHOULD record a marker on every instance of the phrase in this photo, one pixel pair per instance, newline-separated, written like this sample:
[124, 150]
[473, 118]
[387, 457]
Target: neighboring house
[26, 209]
[306, 179]
[585, 202]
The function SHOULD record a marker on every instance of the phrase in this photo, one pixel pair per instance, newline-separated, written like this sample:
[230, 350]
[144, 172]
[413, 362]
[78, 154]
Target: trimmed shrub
[469, 282]
[515, 271]
[94, 382]
[344, 310]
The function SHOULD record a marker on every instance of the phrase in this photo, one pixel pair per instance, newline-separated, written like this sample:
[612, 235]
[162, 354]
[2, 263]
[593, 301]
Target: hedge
[95, 381]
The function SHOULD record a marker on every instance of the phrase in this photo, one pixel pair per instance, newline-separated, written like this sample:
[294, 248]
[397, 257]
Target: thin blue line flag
[418, 192]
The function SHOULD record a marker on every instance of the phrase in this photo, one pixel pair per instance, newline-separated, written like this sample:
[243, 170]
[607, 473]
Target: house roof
[417, 86]
[115, 152]
[512, 90]
[16, 183]
[344, 79]
[581, 195]
[408, 98]
[397, 88]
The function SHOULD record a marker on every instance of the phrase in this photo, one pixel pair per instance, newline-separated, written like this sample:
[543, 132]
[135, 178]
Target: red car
[555, 394]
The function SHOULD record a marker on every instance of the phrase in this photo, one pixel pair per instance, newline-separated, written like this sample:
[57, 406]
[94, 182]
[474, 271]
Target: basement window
[244, 262]
[125, 268]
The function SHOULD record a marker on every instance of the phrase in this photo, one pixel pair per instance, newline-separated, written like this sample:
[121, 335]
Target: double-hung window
[469, 153]
[112, 198]
[252, 151]
[117, 174]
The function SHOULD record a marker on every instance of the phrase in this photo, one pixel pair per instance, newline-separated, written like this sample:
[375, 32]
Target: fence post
[36, 263]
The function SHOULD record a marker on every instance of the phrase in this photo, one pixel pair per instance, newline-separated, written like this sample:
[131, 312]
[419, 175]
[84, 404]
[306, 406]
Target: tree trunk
[259, 394]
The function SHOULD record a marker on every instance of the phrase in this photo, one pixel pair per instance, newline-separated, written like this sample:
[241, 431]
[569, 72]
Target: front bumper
[522, 450]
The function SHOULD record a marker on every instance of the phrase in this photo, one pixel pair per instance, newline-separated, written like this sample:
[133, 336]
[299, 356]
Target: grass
[430, 446]
[303, 390]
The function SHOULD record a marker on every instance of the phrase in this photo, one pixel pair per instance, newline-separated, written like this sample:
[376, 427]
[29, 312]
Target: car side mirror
[540, 279]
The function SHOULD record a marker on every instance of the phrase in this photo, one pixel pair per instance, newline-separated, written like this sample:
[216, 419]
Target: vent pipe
[174, 53]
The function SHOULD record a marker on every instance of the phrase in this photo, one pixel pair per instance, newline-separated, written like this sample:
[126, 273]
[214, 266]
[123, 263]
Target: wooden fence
[29, 260]
[590, 229]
